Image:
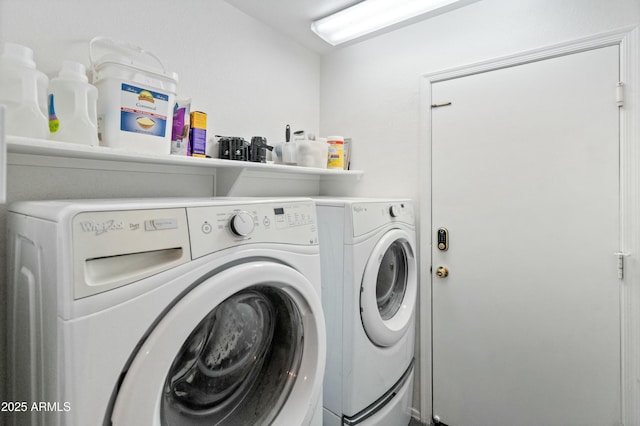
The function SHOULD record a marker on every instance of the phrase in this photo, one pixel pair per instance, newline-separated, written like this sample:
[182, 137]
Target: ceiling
[294, 17]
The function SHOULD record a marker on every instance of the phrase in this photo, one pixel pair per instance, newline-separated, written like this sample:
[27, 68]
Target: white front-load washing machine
[369, 292]
[165, 312]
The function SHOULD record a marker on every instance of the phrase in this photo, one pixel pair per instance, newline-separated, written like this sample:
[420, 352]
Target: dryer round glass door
[391, 283]
[244, 347]
[389, 288]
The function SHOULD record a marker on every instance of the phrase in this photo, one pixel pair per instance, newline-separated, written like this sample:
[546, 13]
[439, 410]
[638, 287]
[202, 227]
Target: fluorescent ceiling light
[371, 15]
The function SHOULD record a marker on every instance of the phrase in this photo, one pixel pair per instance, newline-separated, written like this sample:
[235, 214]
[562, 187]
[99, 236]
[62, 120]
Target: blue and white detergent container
[23, 91]
[72, 106]
[136, 97]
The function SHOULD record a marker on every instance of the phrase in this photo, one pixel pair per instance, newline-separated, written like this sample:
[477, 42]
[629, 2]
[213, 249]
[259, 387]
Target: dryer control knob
[394, 211]
[242, 224]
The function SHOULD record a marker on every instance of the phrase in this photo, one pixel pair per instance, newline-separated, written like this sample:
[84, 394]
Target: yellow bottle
[335, 157]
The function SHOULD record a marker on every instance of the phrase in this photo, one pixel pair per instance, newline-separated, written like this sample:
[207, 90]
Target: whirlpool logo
[101, 228]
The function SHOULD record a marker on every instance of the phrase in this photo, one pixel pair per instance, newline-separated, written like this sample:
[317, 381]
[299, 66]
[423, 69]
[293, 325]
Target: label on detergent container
[143, 111]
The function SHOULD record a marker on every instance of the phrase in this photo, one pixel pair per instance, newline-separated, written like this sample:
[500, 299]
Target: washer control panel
[115, 248]
[241, 224]
[212, 228]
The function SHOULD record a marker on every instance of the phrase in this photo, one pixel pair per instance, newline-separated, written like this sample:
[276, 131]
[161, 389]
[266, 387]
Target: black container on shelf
[233, 148]
[258, 149]
[236, 148]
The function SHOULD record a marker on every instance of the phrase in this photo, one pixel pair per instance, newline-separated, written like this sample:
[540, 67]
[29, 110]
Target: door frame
[628, 40]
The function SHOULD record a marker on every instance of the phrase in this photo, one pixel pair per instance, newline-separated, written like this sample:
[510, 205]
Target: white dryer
[165, 312]
[369, 292]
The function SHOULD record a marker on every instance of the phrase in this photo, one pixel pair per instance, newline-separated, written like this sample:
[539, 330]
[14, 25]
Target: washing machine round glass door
[244, 347]
[389, 288]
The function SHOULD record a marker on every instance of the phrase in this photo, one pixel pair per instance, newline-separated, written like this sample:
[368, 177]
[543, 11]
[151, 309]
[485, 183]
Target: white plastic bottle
[72, 106]
[23, 90]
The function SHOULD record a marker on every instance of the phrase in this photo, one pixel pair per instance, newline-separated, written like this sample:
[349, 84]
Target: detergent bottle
[23, 90]
[72, 106]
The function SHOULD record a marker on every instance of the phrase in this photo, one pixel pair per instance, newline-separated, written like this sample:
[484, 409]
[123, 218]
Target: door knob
[442, 272]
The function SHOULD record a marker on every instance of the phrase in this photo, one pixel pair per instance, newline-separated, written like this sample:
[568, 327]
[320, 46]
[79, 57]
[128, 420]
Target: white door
[525, 175]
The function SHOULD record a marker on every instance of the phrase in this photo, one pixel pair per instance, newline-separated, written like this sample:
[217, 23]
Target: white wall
[371, 90]
[248, 78]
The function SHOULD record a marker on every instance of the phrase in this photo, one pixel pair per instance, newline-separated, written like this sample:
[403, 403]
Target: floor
[415, 422]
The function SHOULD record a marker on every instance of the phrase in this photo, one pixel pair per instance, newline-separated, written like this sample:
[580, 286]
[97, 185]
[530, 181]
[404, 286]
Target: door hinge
[620, 94]
[621, 255]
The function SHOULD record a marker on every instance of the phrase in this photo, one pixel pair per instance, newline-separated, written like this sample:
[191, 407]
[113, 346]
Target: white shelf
[21, 145]
[229, 174]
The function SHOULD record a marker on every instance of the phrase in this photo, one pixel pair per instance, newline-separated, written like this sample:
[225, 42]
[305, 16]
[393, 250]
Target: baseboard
[415, 418]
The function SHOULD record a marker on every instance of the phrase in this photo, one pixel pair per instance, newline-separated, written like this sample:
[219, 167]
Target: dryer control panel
[212, 228]
[369, 216]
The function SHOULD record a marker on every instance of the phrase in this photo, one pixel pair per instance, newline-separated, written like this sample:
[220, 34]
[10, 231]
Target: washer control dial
[394, 211]
[242, 224]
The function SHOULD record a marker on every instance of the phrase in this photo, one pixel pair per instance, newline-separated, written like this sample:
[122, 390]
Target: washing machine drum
[232, 368]
[245, 346]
